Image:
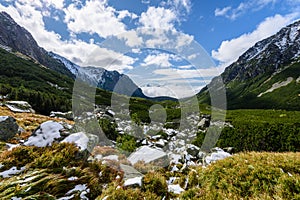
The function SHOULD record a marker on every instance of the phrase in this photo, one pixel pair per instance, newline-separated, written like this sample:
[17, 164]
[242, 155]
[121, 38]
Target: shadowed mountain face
[19, 39]
[266, 75]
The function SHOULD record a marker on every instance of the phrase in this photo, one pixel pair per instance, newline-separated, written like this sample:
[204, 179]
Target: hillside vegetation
[45, 89]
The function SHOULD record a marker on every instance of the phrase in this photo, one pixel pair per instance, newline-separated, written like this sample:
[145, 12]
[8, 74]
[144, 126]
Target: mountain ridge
[258, 78]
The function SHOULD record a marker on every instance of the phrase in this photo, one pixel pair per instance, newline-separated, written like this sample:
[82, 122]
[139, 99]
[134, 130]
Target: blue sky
[152, 40]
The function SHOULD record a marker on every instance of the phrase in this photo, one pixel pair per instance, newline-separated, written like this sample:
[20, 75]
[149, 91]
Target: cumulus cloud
[158, 18]
[230, 50]
[161, 60]
[94, 17]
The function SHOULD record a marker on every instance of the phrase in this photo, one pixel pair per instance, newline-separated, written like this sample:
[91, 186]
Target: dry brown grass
[28, 121]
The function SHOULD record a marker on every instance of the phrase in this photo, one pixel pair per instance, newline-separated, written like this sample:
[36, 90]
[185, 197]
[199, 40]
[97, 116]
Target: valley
[66, 132]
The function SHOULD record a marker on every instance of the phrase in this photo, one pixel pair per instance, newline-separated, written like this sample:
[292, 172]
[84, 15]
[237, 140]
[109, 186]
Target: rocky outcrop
[19, 39]
[8, 128]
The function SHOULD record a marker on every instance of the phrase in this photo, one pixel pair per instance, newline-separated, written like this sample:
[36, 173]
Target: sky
[169, 48]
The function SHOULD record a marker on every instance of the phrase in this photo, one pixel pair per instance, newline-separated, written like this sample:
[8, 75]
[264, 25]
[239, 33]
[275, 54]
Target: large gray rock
[8, 128]
[148, 155]
[19, 106]
[130, 172]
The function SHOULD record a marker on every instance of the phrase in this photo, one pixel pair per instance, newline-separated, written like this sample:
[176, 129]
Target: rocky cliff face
[19, 39]
[266, 76]
[267, 56]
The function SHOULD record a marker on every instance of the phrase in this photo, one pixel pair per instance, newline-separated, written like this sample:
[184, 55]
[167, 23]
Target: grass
[249, 175]
[28, 121]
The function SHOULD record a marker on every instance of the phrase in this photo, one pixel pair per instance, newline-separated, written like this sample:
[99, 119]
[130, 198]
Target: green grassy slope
[45, 89]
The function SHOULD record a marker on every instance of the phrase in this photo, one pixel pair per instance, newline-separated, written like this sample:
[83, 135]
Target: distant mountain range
[266, 76]
[18, 39]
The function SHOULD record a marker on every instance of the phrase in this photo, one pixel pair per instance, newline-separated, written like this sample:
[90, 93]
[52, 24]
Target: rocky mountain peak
[19, 39]
[266, 56]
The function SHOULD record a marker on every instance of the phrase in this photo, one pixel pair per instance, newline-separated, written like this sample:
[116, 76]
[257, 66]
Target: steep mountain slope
[267, 75]
[19, 39]
[45, 89]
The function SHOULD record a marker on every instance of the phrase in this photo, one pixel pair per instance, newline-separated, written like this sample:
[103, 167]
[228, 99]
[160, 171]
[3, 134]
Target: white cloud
[158, 18]
[176, 91]
[180, 6]
[161, 60]
[59, 4]
[94, 17]
[125, 13]
[80, 52]
[243, 7]
[131, 38]
[222, 12]
[230, 50]
[171, 74]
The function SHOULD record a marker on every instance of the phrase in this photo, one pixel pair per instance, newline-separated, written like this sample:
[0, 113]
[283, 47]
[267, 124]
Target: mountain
[23, 79]
[266, 76]
[15, 38]
[19, 39]
[102, 78]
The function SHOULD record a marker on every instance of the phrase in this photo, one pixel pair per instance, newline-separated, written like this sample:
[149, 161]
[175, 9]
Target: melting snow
[80, 139]
[277, 85]
[45, 135]
[72, 178]
[176, 189]
[11, 171]
[133, 181]
[219, 155]
[81, 188]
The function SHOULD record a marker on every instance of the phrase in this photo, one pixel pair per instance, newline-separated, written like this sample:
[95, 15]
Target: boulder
[130, 172]
[19, 106]
[8, 128]
[193, 150]
[148, 155]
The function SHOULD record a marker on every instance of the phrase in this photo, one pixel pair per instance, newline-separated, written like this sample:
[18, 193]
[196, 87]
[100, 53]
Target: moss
[156, 183]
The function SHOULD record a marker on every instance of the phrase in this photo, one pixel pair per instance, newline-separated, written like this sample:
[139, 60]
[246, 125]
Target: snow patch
[3, 118]
[277, 86]
[219, 155]
[12, 171]
[294, 33]
[73, 178]
[80, 139]
[133, 181]
[45, 135]
[298, 80]
[176, 189]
